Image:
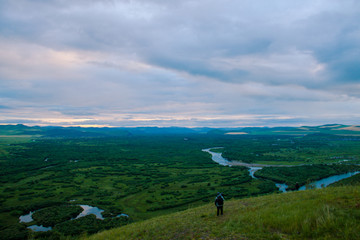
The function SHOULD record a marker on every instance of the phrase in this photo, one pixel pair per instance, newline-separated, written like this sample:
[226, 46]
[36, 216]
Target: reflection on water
[122, 215]
[327, 181]
[282, 187]
[40, 228]
[216, 157]
[252, 170]
[87, 210]
[26, 218]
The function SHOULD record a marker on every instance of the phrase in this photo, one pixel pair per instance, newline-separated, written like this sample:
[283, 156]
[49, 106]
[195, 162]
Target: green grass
[330, 213]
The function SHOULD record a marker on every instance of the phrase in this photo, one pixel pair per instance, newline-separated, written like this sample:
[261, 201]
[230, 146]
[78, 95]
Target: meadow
[145, 172]
[330, 213]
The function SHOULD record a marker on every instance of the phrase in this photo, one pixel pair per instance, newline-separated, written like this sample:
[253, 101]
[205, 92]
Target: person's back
[219, 203]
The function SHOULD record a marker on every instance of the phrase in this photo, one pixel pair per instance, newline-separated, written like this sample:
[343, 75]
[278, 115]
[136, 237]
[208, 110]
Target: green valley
[145, 173]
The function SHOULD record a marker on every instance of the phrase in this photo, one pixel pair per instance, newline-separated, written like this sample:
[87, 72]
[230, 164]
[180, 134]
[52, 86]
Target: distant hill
[330, 129]
[70, 132]
[330, 213]
[19, 129]
[75, 132]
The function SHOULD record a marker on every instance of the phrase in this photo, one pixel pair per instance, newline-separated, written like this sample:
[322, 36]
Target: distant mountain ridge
[74, 132]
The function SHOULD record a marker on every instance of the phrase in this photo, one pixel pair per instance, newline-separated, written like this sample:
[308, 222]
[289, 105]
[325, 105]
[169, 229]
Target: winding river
[327, 181]
[217, 157]
[87, 210]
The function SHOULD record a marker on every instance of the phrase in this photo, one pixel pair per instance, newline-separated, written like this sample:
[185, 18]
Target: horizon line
[158, 126]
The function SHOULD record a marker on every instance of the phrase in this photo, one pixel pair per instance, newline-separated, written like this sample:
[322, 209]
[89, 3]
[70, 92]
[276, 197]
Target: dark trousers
[220, 208]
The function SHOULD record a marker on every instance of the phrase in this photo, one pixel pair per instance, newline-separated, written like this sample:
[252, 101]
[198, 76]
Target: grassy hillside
[331, 213]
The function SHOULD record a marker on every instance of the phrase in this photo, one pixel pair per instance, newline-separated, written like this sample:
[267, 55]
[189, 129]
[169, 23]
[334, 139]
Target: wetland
[48, 174]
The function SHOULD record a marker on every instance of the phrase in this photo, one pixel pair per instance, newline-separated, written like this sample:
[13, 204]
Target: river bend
[217, 157]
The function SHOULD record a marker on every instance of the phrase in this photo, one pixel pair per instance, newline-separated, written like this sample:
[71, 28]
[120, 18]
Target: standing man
[219, 203]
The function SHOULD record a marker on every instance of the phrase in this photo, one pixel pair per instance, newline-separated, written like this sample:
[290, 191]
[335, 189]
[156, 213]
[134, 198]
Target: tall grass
[330, 213]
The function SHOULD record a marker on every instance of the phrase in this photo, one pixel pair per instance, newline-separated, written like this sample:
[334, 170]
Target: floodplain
[137, 174]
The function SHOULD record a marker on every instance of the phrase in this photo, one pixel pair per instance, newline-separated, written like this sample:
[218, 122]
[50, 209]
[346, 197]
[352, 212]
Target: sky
[186, 63]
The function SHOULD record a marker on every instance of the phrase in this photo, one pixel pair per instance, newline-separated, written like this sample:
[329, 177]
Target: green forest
[148, 172]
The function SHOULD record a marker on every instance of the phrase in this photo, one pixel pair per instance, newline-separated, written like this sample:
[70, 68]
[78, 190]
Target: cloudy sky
[228, 63]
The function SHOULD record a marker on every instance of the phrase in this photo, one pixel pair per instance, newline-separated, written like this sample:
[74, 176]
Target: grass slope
[330, 213]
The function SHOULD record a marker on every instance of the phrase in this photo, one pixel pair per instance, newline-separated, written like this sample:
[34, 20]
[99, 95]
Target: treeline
[303, 174]
[313, 148]
[50, 216]
[139, 175]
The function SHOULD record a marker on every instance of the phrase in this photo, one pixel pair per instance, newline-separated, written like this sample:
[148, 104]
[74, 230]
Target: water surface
[26, 218]
[40, 228]
[217, 157]
[327, 181]
[252, 170]
[87, 210]
[282, 187]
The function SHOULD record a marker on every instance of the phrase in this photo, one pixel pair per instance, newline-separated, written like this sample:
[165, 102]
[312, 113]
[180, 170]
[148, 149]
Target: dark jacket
[219, 200]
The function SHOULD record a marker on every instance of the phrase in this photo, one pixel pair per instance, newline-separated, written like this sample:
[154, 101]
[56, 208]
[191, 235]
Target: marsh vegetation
[145, 173]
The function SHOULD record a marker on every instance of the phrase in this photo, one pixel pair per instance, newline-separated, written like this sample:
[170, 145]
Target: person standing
[219, 203]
